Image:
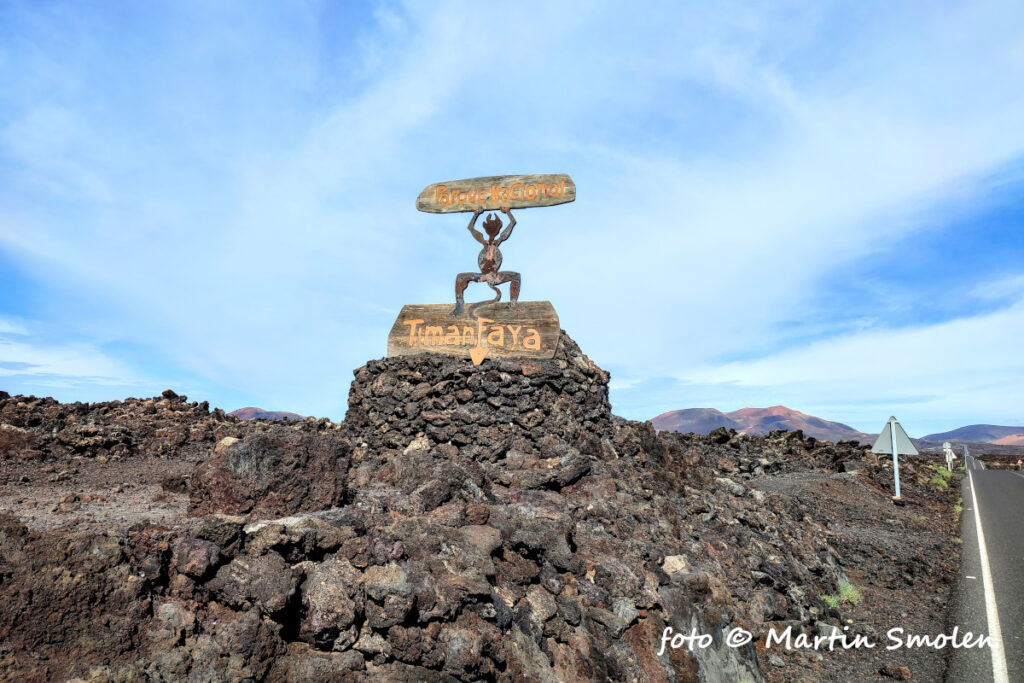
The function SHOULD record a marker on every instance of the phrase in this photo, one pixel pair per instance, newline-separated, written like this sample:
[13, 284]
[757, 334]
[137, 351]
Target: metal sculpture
[489, 261]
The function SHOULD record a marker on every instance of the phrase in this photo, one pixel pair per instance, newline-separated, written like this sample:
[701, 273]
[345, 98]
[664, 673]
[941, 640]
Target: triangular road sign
[884, 442]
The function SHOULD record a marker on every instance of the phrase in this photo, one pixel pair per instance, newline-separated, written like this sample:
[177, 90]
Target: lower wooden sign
[530, 331]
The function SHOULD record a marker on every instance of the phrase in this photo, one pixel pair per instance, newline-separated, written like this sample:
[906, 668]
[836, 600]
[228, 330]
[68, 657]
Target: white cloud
[255, 224]
[1009, 287]
[62, 364]
[12, 326]
[938, 376]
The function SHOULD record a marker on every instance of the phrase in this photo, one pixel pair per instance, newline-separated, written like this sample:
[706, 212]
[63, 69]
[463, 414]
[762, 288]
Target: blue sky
[817, 206]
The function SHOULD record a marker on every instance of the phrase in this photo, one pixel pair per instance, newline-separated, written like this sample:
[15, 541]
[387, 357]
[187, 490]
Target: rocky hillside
[489, 522]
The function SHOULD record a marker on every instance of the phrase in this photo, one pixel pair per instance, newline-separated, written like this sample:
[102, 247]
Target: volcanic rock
[490, 522]
[276, 472]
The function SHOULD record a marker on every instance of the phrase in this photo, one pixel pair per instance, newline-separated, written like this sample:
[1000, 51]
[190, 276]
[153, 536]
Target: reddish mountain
[757, 421]
[979, 434]
[251, 413]
[1011, 440]
[697, 420]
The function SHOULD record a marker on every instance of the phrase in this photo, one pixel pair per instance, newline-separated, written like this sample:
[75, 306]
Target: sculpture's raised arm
[472, 229]
[507, 232]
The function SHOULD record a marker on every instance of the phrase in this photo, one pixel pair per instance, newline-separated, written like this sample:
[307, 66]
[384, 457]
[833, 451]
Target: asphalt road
[996, 499]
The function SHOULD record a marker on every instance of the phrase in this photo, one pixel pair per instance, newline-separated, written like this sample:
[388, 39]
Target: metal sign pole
[895, 455]
[888, 442]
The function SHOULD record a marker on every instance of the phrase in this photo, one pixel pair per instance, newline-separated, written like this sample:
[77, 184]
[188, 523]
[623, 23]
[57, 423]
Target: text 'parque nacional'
[493, 192]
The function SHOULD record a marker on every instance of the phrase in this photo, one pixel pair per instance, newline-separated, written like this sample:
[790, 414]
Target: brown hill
[1011, 440]
[983, 433]
[757, 421]
[252, 413]
[696, 420]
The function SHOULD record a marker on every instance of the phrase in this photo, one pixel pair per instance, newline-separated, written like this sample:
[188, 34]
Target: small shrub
[849, 593]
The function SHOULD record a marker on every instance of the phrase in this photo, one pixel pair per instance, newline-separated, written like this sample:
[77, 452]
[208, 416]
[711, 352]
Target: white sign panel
[903, 443]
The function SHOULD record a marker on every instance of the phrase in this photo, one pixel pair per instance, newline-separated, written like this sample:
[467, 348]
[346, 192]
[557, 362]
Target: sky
[819, 205]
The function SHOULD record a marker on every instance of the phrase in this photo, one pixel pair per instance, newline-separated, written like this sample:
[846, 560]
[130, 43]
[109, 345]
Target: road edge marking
[1000, 674]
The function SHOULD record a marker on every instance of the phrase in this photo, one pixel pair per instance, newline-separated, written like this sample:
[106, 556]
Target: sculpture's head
[492, 224]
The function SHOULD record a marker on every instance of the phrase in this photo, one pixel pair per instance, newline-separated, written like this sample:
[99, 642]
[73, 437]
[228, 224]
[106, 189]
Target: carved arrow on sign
[478, 353]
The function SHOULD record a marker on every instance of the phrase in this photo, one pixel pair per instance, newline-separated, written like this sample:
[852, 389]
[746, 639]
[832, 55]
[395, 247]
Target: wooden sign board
[493, 192]
[483, 329]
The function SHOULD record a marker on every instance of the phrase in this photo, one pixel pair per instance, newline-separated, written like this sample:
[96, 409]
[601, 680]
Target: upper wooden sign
[493, 192]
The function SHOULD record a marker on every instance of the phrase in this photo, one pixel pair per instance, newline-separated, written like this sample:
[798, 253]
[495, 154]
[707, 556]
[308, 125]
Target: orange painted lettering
[497, 336]
[514, 329]
[480, 328]
[412, 330]
[434, 335]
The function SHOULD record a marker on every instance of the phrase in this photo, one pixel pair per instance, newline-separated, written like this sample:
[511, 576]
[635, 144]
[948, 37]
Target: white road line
[995, 631]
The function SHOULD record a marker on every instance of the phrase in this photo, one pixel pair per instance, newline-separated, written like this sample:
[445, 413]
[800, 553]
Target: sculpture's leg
[462, 281]
[516, 280]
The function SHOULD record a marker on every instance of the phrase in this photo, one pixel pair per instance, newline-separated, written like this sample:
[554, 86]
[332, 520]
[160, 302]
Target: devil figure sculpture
[489, 261]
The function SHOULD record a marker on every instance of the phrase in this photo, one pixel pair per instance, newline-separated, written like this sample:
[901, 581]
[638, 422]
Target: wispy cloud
[61, 365]
[11, 326]
[939, 376]
[1010, 287]
[241, 202]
